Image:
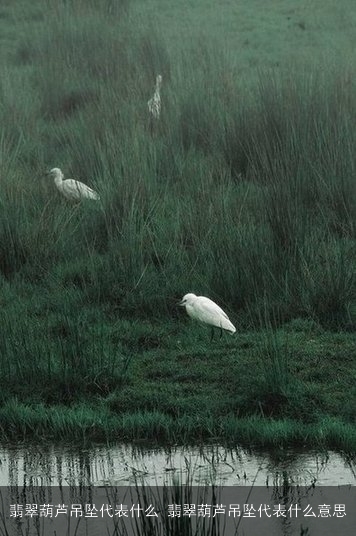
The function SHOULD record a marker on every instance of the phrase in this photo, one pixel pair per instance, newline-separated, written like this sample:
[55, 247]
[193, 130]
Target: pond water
[107, 477]
[122, 465]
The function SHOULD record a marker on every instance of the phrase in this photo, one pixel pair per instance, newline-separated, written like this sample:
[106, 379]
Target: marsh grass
[177, 493]
[246, 196]
[171, 203]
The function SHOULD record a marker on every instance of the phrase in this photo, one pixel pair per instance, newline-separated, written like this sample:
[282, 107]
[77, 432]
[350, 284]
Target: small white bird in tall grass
[154, 104]
[71, 189]
[208, 312]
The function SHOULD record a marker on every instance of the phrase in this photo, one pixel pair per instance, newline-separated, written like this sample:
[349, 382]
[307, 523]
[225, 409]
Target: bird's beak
[181, 304]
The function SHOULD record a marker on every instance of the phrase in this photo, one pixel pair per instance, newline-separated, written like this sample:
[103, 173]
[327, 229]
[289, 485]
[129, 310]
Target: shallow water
[101, 475]
[123, 465]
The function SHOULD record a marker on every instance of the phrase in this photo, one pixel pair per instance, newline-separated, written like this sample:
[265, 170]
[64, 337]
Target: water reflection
[103, 477]
[122, 465]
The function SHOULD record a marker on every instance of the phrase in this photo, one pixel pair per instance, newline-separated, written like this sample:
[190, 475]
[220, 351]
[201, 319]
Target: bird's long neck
[58, 179]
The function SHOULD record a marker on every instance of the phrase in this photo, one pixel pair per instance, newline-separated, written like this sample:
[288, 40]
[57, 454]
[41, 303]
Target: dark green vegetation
[244, 191]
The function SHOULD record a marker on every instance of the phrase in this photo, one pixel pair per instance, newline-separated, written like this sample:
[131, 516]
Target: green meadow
[243, 191]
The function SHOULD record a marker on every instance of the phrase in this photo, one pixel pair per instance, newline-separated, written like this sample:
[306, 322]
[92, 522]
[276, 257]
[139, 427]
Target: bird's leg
[221, 332]
[212, 333]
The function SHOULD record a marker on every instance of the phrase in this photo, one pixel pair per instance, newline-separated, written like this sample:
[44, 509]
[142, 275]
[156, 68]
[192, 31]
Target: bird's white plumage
[154, 104]
[205, 310]
[72, 189]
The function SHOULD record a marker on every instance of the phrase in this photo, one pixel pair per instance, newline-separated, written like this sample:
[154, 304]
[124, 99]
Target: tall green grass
[248, 197]
[245, 195]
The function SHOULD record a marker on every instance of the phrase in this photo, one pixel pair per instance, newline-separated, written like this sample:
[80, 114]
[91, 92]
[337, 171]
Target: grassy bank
[244, 191]
[139, 380]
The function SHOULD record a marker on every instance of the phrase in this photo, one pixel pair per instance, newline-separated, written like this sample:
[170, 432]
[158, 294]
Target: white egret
[208, 312]
[71, 189]
[154, 104]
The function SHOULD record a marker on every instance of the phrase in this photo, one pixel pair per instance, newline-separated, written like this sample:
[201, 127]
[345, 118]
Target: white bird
[154, 104]
[208, 312]
[71, 189]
